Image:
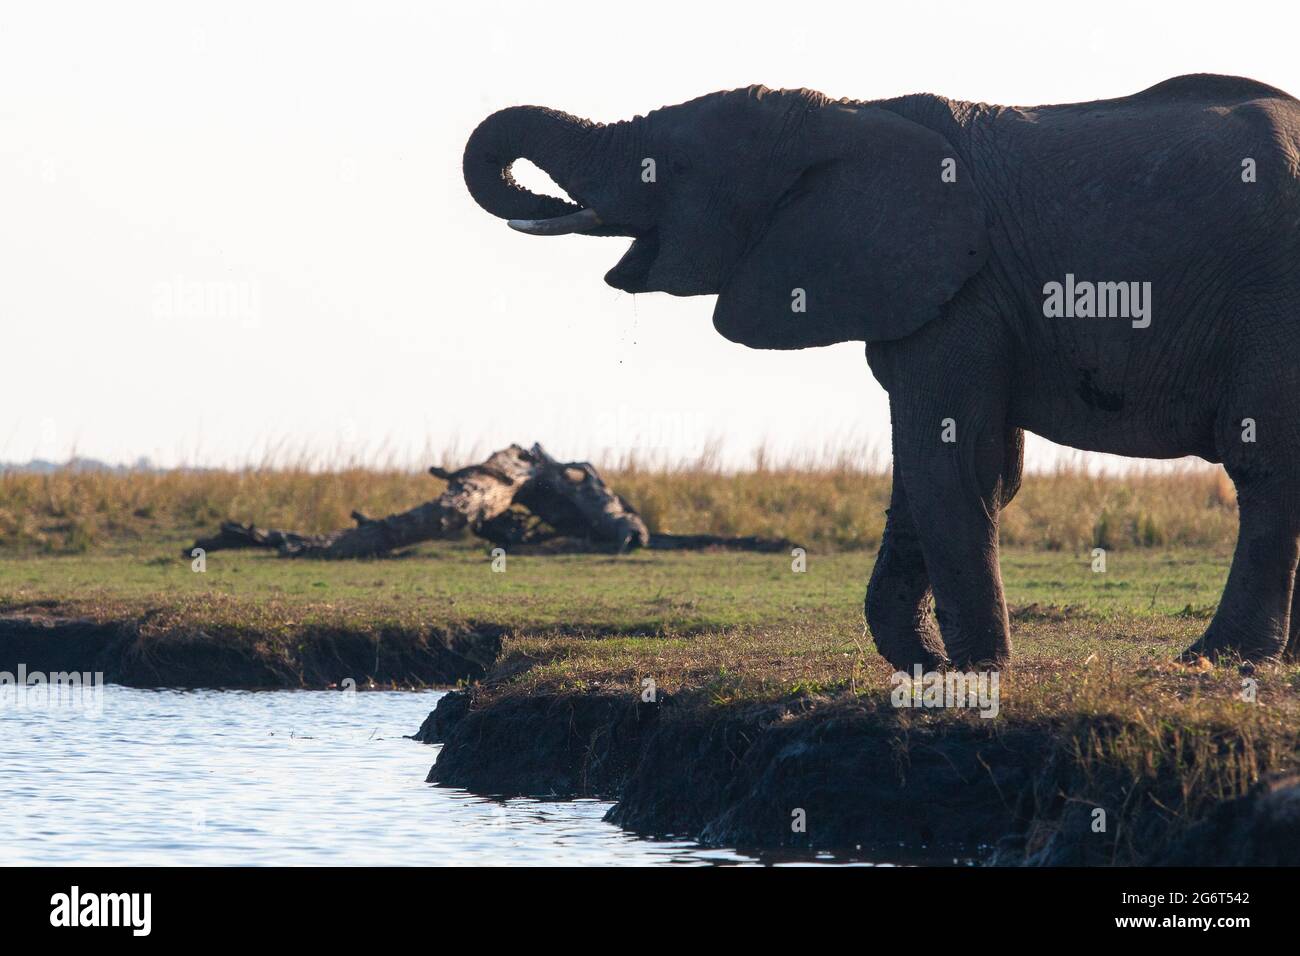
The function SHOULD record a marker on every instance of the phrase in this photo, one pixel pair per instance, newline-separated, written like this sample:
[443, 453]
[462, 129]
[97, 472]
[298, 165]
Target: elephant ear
[879, 229]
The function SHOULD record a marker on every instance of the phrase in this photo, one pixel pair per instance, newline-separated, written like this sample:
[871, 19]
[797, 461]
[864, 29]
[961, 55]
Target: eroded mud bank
[130, 653]
[861, 778]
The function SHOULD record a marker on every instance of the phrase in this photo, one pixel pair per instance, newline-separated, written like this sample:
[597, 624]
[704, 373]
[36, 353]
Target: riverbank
[153, 619]
[1086, 764]
[769, 707]
[148, 652]
[1102, 750]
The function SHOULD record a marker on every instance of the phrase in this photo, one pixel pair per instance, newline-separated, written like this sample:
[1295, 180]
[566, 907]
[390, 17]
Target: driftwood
[516, 497]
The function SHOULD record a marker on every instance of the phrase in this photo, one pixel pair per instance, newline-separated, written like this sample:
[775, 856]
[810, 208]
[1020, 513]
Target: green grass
[742, 626]
[644, 593]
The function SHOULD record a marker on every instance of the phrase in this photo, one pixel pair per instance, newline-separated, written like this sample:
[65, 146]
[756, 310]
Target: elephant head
[814, 221]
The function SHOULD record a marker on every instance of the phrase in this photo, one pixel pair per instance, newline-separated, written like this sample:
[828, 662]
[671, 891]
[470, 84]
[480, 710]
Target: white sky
[234, 227]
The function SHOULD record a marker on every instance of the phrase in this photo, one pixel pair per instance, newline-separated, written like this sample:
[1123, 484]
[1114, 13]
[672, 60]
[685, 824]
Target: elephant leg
[898, 610]
[955, 489]
[1259, 444]
[1292, 650]
[898, 596]
[1255, 614]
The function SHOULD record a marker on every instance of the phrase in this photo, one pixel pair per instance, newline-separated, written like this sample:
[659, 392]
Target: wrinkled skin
[760, 196]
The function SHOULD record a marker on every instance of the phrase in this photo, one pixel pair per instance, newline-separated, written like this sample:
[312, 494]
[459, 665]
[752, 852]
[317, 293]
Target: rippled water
[270, 777]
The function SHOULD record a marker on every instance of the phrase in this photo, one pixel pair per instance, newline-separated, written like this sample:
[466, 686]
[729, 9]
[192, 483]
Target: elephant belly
[1112, 386]
[1145, 427]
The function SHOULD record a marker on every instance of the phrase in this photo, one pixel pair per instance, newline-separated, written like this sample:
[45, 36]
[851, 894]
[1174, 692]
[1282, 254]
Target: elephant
[1119, 276]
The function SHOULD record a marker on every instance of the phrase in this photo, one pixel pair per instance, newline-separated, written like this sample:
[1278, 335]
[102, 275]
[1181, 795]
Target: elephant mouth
[632, 272]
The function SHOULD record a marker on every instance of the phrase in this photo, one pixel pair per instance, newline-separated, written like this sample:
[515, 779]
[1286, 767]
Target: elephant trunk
[551, 139]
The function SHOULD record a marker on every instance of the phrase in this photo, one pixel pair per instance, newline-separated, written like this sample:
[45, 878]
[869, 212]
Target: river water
[143, 777]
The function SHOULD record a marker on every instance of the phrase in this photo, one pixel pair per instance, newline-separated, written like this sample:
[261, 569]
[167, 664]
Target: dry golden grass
[833, 505]
[76, 511]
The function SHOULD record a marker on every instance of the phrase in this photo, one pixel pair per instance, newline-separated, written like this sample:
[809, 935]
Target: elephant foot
[982, 665]
[907, 655]
[902, 626]
[1218, 647]
[971, 648]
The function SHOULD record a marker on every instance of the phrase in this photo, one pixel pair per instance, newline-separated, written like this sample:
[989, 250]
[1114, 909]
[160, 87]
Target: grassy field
[1094, 651]
[108, 546]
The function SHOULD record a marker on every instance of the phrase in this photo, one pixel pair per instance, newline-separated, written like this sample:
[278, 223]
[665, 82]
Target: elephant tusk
[579, 221]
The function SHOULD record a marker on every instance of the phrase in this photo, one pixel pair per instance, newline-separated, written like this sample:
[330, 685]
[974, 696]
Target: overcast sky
[228, 228]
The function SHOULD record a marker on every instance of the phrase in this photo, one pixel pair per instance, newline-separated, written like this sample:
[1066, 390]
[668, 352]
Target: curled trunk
[549, 138]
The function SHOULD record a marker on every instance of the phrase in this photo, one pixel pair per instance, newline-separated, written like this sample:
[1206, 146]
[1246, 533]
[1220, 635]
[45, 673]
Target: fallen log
[516, 497]
[569, 498]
